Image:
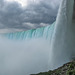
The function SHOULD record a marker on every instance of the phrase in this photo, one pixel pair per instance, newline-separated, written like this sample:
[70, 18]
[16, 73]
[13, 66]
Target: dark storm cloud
[35, 15]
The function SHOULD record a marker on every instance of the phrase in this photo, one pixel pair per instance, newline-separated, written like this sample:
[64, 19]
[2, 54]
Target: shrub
[71, 72]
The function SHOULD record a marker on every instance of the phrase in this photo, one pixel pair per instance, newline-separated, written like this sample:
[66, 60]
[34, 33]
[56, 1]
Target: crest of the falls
[43, 32]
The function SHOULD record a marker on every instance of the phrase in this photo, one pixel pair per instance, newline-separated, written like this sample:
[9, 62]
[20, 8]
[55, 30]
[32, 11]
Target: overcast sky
[27, 14]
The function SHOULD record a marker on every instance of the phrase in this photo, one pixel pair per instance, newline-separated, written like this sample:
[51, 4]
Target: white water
[63, 41]
[34, 51]
[27, 52]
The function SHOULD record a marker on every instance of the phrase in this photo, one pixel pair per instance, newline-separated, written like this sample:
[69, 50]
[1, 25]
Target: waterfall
[62, 43]
[43, 32]
[26, 52]
[42, 49]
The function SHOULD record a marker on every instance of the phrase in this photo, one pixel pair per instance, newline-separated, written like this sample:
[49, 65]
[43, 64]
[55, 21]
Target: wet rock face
[74, 11]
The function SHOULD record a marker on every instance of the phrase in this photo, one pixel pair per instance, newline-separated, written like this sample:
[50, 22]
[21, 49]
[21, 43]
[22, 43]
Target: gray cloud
[35, 15]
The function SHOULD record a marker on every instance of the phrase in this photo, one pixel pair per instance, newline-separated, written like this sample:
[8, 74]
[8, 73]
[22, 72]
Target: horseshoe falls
[26, 52]
[43, 32]
[42, 49]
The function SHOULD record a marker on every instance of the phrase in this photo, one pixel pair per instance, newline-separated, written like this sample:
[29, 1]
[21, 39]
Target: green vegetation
[44, 73]
[71, 65]
[71, 72]
[66, 69]
[57, 72]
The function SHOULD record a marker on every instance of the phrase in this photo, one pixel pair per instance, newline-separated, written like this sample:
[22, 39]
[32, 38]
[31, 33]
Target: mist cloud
[23, 57]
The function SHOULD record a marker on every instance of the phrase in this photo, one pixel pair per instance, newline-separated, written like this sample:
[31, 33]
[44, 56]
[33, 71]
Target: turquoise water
[45, 32]
[39, 55]
[22, 57]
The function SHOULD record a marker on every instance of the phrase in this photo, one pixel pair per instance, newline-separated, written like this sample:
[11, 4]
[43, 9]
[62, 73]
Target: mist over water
[27, 52]
[23, 57]
[38, 50]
